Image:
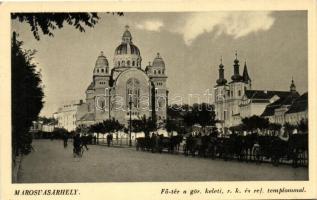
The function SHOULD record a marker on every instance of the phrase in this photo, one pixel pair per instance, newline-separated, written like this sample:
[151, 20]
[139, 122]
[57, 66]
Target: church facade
[127, 88]
[236, 100]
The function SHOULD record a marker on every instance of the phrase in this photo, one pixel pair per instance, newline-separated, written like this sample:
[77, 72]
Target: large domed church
[112, 92]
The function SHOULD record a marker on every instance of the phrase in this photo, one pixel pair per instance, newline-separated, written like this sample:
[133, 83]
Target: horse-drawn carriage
[159, 143]
[250, 148]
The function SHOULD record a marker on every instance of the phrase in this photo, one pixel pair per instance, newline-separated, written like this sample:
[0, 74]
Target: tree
[48, 120]
[96, 128]
[47, 22]
[144, 124]
[202, 114]
[27, 96]
[112, 125]
[255, 122]
[170, 126]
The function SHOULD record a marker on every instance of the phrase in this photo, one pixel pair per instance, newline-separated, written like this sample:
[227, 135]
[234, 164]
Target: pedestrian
[84, 140]
[65, 139]
[77, 144]
[95, 139]
[108, 140]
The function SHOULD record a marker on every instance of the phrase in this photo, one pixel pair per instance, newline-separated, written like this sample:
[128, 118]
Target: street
[51, 163]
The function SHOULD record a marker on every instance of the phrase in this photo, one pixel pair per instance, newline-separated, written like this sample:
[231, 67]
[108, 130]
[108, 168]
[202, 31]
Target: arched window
[122, 62]
[128, 62]
[162, 71]
[97, 70]
[154, 71]
[159, 71]
[102, 70]
[133, 92]
[119, 63]
[133, 63]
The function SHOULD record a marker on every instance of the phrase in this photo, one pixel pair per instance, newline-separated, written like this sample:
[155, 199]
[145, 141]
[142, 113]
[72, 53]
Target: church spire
[245, 75]
[236, 76]
[221, 80]
[292, 87]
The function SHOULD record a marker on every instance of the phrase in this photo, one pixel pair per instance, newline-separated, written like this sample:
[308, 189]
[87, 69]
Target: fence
[124, 142]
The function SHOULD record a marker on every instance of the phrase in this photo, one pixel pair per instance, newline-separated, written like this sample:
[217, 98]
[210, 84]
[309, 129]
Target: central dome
[126, 48]
[127, 54]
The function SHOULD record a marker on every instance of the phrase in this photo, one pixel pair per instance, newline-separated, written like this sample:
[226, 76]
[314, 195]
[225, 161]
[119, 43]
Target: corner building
[111, 92]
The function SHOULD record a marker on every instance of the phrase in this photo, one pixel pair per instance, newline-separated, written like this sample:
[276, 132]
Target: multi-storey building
[125, 89]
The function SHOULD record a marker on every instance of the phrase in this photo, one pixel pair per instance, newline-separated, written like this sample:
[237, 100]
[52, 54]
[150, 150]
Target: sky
[274, 45]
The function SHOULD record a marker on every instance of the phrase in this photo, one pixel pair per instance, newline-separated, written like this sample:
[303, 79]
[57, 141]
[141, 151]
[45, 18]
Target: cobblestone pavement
[51, 163]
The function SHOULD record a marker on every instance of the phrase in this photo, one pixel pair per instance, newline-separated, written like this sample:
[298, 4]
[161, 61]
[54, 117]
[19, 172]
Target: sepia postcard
[158, 100]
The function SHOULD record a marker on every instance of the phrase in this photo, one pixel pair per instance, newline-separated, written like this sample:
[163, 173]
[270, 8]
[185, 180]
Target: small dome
[124, 48]
[158, 61]
[102, 61]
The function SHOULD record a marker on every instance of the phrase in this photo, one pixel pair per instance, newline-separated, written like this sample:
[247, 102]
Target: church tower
[237, 89]
[97, 93]
[157, 75]
[221, 94]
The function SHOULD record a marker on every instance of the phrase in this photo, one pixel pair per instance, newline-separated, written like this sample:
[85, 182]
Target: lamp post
[130, 121]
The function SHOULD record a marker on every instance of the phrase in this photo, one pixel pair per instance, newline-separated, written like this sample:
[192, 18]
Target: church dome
[127, 54]
[158, 61]
[102, 61]
[126, 48]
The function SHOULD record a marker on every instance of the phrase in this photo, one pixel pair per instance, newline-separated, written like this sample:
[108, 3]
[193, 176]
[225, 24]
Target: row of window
[159, 83]
[102, 83]
[133, 113]
[230, 93]
[158, 71]
[122, 63]
[102, 70]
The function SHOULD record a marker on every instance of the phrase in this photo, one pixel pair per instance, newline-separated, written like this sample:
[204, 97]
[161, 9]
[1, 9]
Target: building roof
[127, 48]
[283, 100]
[88, 117]
[265, 94]
[91, 86]
[245, 75]
[299, 105]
